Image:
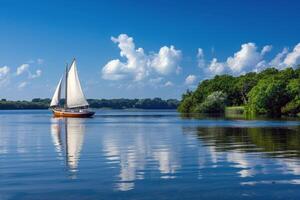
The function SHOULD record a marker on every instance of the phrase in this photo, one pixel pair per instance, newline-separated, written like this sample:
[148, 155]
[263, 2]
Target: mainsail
[74, 92]
[56, 97]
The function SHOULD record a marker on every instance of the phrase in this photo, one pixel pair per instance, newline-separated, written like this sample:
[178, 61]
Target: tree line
[272, 92]
[38, 103]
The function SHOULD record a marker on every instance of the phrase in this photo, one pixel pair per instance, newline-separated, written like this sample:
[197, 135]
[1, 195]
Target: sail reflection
[68, 136]
[56, 134]
[75, 130]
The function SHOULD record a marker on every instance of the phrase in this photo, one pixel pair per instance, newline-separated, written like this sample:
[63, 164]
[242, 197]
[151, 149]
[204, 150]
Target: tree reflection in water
[274, 141]
[247, 148]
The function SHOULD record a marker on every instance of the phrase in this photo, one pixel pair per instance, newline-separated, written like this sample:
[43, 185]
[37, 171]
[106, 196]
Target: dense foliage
[155, 103]
[214, 103]
[272, 92]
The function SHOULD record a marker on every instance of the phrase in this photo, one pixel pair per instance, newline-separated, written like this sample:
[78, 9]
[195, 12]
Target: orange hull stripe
[68, 114]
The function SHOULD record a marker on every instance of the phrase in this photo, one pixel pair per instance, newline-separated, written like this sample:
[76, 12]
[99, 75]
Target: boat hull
[66, 113]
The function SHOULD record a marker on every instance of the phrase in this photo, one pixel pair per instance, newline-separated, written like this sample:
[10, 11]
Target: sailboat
[75, 103]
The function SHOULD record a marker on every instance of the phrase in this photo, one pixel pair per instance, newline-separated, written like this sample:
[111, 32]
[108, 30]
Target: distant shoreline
[42, 104]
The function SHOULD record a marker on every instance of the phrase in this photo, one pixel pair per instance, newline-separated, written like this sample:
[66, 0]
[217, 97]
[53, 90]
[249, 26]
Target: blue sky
[166, 46]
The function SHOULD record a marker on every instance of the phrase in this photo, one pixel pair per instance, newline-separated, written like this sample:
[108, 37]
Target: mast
[66, 87]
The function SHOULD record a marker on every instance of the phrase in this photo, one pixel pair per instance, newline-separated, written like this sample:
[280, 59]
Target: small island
[270, 92]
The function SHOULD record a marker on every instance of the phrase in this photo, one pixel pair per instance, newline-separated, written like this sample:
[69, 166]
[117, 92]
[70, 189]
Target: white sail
[56, 97]
[75, 96]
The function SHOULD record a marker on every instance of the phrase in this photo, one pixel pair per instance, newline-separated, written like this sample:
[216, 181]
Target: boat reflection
[68, 136]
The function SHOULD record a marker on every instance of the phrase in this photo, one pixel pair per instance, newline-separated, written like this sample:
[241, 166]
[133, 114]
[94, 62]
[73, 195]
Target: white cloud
[25, 68]
[277, 61]
[4, 72]
[216, 67]
[266, 49]
[22, 85]
[139, 65]
[190, 79]
[245, 59]
[249, 58]
[37, 74]
[292, 59]
[166, 61]
[114, 70]
[284, 59]
[260, 66]
[22, 68]
[200, 58]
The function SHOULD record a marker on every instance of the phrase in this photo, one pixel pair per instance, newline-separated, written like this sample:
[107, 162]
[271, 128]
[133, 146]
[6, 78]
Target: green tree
[214, 103]
[267, 97]
[294, 87]
[293, 107]
[245, 84]
[186, 105]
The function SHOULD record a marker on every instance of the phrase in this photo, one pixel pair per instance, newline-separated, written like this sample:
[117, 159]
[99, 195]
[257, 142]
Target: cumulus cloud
[293, 58]
[266, 49]
[251, 58]
[244, 59]
[22, 68]
[216, 67]
[190, 79]
[4, 72]
[278, 59]
[166, 61]
[138, 65]
[284, 59]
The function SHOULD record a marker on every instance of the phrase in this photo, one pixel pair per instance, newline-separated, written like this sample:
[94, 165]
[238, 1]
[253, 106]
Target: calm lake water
[147, 155]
